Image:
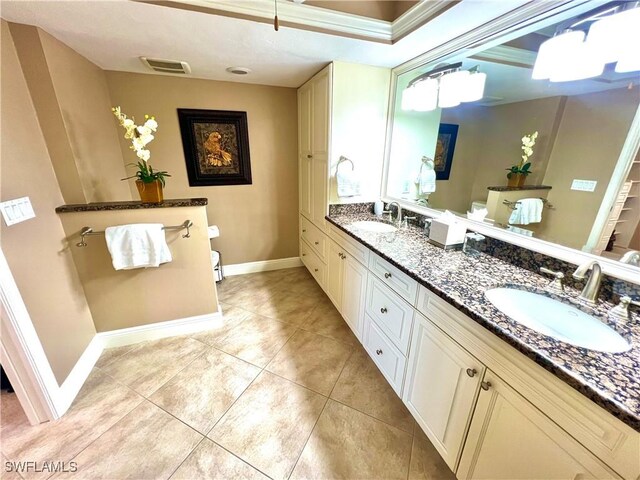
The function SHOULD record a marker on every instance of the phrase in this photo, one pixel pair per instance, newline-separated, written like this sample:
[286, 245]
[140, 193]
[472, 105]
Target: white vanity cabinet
[509, 438]
[443, 381]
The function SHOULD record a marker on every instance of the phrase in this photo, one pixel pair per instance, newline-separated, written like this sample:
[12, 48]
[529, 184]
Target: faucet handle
[556, 284]
[621, 311]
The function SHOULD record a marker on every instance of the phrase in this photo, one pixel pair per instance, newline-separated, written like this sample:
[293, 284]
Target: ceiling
[114, 34]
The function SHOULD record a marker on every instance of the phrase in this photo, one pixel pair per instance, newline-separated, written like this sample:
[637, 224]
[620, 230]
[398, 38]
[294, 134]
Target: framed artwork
[216, 147]
[445, 146]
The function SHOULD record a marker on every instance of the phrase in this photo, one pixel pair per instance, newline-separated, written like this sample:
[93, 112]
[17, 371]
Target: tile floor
[282, 390]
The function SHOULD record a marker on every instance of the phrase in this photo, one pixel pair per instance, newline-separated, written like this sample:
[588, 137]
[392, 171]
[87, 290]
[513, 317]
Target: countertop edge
[608, 404]
[131, 205]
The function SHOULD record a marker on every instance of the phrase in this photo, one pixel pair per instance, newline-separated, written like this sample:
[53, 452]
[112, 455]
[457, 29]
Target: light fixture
[614, 36]
[445, 86]
[239, 70]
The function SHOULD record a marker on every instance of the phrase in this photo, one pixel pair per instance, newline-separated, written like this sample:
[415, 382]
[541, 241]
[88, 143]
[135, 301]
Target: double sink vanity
[508, 375]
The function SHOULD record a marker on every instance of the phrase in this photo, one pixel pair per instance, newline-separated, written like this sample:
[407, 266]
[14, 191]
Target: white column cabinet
[441, 387]
[511, 439]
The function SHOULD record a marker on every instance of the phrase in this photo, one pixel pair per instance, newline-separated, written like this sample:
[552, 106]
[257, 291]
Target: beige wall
[43, 269]
[72, 102]
[387, 10]
[258, 221]
[182, 288]
[590, 138]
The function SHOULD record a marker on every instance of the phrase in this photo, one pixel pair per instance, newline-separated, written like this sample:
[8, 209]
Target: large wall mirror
[462, 124]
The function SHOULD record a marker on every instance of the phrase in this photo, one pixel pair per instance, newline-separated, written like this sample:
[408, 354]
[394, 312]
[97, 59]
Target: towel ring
[345, 159]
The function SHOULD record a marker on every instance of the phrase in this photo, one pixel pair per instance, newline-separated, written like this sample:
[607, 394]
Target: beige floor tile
[212, 462]
[231, 316]
[326, 320]
[255, 340]
[147, 443]
[362, 386]
[269, 424]
[8, 471]
[426, 462]
[149, 366]
[99, 405]
[298, 280]
[201, 393]
[311, 360]
[347, 444]
[110, 354]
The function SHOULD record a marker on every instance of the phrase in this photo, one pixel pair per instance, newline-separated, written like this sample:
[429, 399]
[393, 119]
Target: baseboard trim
[263, 266]
[78, 375]
[155, 331]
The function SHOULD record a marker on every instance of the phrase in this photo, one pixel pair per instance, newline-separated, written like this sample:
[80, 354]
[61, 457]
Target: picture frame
[445, 147]
[216, 147]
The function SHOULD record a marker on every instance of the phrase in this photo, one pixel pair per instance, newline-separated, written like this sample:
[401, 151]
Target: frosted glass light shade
[426, 95]
[553, 53]
[474, 87]
[629, 63]
[408, 98]
[580, 64]
[615, 36]
[451, 88]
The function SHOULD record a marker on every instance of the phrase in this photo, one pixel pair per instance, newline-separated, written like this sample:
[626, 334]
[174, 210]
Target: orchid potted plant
[148, 181]
[518, 173]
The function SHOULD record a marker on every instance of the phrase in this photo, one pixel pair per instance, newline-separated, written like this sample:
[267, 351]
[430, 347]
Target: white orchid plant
[524, 167]
[140, 136]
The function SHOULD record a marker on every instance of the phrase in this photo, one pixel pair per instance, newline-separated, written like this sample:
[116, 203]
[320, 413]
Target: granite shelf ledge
[504, 188]
[132, 205]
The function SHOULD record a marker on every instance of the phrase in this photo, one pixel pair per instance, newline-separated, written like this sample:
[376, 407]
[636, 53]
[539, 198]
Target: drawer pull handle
[315, 269]
[316, 243]
[378, 352]
[387, 275]
[304, 230]
[471, 372]
[309, 156]
[485, 385]
[383, 310]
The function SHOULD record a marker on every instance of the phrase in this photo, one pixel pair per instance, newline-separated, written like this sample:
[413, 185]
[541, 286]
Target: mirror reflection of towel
[528, 210]
[348, 182]
[427, 181]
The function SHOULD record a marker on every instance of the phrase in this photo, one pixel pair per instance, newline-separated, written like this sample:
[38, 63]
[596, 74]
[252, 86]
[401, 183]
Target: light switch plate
[584, 185]
[17, 210]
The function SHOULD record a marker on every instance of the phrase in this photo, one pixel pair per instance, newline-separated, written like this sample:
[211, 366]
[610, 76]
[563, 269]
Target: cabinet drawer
[314, 237]
[390, 312]
[399, 281]
[314, 264]
[356, 249]
[386, 356]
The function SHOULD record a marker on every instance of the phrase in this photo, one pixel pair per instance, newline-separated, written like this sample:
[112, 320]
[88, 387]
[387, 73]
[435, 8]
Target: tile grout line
[186, 457]
[236, 456]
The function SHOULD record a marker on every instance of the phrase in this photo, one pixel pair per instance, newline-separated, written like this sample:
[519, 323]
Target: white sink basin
[375, 227]
[556, 319]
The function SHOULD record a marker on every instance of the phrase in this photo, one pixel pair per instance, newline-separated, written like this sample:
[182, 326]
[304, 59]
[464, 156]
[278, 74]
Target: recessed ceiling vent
[166, 66]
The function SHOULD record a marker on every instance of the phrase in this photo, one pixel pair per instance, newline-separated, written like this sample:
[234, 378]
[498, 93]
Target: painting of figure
[216, 147]
[445, 146]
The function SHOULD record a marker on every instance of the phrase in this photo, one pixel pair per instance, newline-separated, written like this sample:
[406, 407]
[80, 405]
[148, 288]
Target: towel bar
[186, 225]
[512, 205]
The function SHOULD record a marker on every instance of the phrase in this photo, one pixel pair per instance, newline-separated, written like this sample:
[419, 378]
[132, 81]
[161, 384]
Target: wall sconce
[444, 87]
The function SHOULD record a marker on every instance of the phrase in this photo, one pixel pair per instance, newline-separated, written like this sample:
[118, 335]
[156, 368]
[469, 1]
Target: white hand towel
[427, 181]
[348, 182]
[213, 231]
[138, 245]
[528, 210]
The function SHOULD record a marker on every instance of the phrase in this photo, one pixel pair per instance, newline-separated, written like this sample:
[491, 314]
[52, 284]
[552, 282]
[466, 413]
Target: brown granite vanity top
[131, 205]
[504, 188]
[611, 380]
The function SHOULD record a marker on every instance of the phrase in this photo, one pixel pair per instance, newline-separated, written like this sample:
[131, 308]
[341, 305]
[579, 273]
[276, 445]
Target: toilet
[216, 258]
[478, 206]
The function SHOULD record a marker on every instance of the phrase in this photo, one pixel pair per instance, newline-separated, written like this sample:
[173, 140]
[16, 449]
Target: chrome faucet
[390, 212]
[592, 287]
[632, 257]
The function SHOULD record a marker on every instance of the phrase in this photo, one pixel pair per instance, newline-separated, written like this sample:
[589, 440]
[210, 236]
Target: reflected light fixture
[445, 86]
[573, 54]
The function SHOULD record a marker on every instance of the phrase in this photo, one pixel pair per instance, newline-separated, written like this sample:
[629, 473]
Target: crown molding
[308, 17]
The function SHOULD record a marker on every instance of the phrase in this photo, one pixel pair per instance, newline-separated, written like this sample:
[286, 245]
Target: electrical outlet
[584, 185]
[17, 210]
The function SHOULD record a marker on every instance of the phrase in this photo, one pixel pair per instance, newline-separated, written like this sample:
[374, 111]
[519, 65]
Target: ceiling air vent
[166, 66]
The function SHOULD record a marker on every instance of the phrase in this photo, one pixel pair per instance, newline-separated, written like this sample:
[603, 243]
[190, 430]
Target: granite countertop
[611, 380]
[504, 188]
[131, 205]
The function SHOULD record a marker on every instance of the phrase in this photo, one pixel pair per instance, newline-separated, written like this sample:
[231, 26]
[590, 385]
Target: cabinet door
[335, 267]
[305, 166]
[320, 105]
[319, 191]
[442, 384]
[509, 438]
[354, 289]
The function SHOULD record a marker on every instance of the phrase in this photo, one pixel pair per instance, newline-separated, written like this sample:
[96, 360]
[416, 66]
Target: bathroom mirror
[459, 123]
